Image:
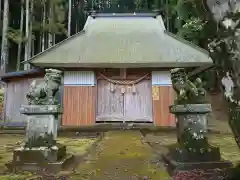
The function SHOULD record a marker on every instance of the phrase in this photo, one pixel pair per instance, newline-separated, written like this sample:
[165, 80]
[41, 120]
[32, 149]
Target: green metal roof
[123, 41]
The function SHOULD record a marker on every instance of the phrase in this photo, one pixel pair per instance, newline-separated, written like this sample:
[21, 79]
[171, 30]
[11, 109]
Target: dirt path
[120, 156]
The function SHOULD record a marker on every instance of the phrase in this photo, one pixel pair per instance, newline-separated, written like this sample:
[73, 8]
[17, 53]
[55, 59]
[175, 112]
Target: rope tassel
[112, 87]
[134, 89]
[122, 90]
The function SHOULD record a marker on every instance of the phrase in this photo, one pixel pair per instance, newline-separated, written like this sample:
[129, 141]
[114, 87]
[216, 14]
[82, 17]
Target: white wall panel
[161, 78]
[81, 78]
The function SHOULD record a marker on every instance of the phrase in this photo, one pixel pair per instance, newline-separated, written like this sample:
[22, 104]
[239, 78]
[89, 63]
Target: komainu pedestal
[40, 150]
[193, 150]
[191, 109]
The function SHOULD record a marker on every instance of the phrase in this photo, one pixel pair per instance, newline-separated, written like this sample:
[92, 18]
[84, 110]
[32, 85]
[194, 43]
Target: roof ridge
[134, 14]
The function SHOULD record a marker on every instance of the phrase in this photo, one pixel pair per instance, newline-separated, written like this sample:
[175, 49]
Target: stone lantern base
[193, 150]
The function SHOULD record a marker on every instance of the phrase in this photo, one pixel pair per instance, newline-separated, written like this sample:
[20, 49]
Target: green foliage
[55, 22]
[193, 30]
[192, 21]
[15, 36]
[210, 79]
[225, 48]
[141, 4]
[56, 28]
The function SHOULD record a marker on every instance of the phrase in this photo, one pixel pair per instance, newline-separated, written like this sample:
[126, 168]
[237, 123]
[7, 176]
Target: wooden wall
[15, 96]
[162, 97]
[79, 105]
[79, 98]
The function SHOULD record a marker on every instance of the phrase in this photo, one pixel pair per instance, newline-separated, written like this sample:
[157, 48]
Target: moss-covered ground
[75, 145]
[226, 143]
[121, 155]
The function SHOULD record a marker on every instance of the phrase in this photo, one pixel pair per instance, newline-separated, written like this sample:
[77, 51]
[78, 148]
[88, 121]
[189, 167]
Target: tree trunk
[33, 48]
[1, 13]
[167, 14]
[50, 38]
[26, 55]
[21, 31]
[54, 39]
[69, 17]
[30, 30]
[76, 26]
[44, 22]
[4, 47]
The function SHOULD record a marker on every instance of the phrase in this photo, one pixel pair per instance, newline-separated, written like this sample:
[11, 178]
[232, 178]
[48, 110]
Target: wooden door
[138, 105]
[109, 104]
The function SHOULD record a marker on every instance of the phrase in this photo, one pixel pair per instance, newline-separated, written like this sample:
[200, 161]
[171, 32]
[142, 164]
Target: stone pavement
[121, 155]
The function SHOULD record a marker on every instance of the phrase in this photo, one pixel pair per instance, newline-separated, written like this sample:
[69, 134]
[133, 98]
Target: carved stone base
[178, 159]
[35, 166]
[183, 155]
[36, 159]
[175, 166]
[41, 119]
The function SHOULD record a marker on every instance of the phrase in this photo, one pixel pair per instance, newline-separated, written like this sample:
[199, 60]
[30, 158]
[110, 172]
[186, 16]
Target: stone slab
[34, 167]
[41, 109]
[41, 154]
[190, 108]
[174, 165]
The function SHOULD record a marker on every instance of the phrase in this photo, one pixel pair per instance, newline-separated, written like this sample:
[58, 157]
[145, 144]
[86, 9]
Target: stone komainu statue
[187, 91]
[44, 93]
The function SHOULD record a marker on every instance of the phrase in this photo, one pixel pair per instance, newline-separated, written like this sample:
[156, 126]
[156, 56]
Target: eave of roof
[186, 42]
[123, 65]
[10, 75]
[53, 47]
